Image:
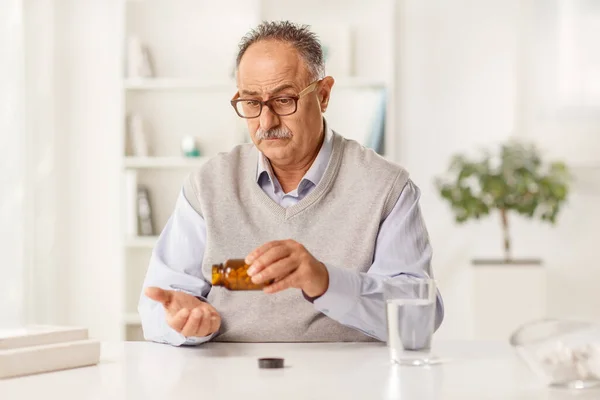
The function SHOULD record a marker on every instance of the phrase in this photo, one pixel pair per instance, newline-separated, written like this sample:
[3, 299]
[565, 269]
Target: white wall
[13, 155]
[457, 89]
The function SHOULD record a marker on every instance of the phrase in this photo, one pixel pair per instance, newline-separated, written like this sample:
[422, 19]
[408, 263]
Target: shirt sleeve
[402, 249]
[175, 264]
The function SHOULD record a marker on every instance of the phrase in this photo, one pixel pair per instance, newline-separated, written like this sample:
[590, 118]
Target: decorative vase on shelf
[505, 292]
[144, 209]
[139, 60]
[189, 148]
[131, 203]
[138, 145]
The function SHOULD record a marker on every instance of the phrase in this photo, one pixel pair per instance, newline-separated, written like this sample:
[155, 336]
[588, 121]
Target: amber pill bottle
[233, 275]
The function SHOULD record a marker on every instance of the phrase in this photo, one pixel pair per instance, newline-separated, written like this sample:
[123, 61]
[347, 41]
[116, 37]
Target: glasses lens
[283, 105]
[248, 108]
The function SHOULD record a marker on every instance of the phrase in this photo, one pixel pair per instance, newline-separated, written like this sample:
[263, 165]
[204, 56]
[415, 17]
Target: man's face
[271, 69]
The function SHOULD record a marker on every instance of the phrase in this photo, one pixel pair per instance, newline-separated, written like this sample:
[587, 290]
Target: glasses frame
[309, 89]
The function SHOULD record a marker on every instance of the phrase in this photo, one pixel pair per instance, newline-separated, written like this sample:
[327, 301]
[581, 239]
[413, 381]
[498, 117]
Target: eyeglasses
[280, 105]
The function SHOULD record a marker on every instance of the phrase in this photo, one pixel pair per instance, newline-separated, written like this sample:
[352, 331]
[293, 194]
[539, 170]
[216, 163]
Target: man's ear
[325, 92]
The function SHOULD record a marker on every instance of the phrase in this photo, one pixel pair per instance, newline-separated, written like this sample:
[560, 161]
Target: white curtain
[30, 225]
[46, 281]
[13, 182]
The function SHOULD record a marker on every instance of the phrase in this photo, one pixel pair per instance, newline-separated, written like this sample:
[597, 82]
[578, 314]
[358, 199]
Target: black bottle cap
[270, 362]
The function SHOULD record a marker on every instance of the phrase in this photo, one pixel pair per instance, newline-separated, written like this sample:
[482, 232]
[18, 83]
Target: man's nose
[268, 119]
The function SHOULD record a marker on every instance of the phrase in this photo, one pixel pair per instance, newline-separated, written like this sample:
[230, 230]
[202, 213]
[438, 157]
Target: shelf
[145, 242]
[132, 319]
[163, 162]
[178, 84]
[187, 81]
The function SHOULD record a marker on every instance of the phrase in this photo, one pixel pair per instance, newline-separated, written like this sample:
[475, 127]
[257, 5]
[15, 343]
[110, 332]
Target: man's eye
[284, 101]
[251, 103]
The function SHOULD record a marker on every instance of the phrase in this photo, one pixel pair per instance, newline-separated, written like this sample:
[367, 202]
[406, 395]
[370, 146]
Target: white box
[37, 335]
[50, 357]
[36, 349]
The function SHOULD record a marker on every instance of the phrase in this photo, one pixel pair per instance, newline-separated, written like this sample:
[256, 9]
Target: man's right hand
[185, 313]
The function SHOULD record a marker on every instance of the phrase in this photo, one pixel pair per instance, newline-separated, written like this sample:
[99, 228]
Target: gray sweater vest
[337, 222]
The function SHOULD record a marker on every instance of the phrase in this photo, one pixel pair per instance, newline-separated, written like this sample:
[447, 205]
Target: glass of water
[410, 310]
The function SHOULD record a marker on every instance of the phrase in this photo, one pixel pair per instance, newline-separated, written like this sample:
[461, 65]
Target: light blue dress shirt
[353, 299]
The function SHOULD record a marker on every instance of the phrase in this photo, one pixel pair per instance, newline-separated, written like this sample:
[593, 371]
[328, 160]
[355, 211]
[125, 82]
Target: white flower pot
[504, 296]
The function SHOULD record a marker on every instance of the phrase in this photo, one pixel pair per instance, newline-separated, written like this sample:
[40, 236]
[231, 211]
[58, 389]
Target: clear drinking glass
[410, 310]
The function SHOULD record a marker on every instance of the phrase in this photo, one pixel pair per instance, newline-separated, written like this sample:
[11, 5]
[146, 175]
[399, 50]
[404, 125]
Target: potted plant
[515, 181]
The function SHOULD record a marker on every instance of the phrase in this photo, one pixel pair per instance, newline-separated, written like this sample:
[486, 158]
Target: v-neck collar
[321, 188]
[312, 176]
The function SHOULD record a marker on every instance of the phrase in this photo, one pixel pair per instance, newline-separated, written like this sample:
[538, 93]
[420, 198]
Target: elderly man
[322, 217]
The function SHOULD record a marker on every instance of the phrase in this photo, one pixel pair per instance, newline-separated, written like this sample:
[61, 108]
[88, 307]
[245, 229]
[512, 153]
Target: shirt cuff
[342, 294]
[193, 340]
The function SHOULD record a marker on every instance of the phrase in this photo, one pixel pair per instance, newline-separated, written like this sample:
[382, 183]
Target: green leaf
[522, 183]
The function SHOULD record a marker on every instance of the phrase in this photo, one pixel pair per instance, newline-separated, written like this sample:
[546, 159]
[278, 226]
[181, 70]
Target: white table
[147, 371]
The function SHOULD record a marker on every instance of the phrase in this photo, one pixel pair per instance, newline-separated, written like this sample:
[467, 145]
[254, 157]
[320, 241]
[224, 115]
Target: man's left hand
[289, 265]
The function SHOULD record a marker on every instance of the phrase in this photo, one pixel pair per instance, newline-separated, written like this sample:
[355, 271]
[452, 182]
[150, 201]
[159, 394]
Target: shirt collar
[316, 170]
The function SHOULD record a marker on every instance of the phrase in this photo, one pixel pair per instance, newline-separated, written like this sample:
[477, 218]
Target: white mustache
[275, 133]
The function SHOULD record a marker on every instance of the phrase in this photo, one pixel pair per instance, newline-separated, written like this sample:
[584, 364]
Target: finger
[178, 320]
[289, 281]
[160, 295]
[215, 322]
[276, 271]
[270, 256]
[209, 308]
[210, 324]
[193, 323]
[250, 258]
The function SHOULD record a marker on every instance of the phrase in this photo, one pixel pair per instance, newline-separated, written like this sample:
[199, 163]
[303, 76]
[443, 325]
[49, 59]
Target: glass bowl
[562, 353]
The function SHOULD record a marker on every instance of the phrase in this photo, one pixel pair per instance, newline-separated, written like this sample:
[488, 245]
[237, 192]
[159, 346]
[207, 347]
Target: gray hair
[300, 36]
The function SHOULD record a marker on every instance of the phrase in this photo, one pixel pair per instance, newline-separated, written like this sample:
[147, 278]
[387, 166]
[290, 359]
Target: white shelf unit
[193, 44]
